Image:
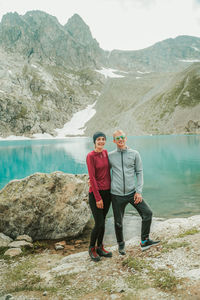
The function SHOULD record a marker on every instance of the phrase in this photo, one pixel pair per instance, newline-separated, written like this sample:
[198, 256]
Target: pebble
[18, 244]
[24, 237]
[114, 296]
[59, 247]
[13, 252]
[9, 296]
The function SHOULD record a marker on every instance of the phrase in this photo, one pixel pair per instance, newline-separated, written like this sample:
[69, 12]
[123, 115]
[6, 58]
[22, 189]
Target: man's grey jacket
[126, 166]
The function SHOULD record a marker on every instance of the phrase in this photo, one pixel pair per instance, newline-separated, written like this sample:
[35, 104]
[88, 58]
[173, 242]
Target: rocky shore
[45, 225]
[170, 270]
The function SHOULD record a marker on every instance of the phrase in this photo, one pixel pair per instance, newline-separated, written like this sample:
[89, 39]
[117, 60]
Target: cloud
[144, 4]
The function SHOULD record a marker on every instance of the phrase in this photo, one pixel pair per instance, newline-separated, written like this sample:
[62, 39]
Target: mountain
[153, 103]
[168, 55]
[38, 35]
[177, 108]
[81, 33]
[46, 73]
[49, 71]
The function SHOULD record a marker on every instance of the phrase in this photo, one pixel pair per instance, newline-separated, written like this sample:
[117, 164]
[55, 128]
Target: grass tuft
[188, 232]
[172, 246]
[135, 263]
[136, 282]
[165, 280]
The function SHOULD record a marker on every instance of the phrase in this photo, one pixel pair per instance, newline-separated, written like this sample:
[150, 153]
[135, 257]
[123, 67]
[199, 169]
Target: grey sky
[121, 24]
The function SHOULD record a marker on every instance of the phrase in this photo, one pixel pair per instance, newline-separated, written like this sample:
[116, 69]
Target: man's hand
[100, 204]
[137, 198]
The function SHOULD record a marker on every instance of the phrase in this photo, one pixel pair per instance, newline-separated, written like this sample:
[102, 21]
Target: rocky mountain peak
[40, 36]
[10, 18]
[79, 30]
[37, 18]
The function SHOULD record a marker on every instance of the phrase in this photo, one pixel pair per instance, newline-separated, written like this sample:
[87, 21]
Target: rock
[59, 247]
[114, 296]
[45, 206]
[13, 252]
[18, 244]
[78, 241]
[7, 297]
[4, 240]
[193, 126]
[24, 237]
[62, 243]
[70, 247]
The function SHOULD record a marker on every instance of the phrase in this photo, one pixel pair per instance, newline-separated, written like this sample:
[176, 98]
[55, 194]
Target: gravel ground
[170, 270]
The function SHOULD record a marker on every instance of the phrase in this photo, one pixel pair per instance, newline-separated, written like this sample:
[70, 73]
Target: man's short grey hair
[120, 131]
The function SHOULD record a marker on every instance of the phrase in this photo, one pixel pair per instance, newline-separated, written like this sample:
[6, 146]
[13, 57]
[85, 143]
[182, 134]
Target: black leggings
[99, 215]
[119, 203]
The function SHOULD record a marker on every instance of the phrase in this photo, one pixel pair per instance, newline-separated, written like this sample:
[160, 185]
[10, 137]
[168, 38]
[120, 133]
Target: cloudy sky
[121, 24]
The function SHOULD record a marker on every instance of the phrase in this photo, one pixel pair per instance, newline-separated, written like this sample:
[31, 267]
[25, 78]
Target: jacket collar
[98, 153]
[122, 150]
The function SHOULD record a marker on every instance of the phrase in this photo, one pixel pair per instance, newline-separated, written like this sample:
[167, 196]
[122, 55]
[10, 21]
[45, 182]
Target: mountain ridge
[48, 72]
[72, 44]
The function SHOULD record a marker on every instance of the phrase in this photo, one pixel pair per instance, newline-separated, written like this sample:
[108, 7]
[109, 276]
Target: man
[125, 165]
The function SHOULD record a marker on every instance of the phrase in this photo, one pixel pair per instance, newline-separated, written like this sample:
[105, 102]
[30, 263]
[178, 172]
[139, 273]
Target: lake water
[171, 166]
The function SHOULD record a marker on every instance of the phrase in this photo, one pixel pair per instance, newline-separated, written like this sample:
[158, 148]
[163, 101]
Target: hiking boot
[147, 244]
[102, 252]
[121, 248]
[92, 253]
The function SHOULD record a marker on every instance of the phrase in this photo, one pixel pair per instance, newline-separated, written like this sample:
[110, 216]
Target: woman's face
[100, 142]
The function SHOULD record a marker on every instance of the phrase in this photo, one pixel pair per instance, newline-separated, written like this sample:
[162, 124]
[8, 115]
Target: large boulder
[45, 206]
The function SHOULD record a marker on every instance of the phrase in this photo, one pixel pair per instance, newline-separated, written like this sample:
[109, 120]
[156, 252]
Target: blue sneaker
[147, 244]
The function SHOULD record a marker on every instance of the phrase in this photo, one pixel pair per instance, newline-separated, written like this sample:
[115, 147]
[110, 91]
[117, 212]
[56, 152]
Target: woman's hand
[89, 183]
[100, 204]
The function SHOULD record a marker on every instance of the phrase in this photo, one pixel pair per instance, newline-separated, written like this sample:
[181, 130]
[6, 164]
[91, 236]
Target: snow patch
[13, 138]
[145, 72]
[109, 73]
[187, 94]
[34, 66]
[189, 60]
[195, 48]
[138, 77]
[95, 93]
[76, 125]
[42, 136]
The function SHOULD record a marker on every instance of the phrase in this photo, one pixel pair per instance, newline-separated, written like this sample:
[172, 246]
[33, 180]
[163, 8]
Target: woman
[99, 194]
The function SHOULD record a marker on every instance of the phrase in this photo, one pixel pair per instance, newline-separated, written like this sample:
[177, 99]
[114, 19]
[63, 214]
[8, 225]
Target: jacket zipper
[123, 171]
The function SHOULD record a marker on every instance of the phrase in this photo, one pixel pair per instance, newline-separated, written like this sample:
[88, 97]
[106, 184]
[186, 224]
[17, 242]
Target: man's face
[120, 139]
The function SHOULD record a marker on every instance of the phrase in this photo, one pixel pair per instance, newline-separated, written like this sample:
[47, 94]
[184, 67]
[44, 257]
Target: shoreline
[132, 227]
[50, 138]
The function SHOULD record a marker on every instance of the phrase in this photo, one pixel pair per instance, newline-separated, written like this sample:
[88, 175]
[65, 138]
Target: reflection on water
[131, 228]
[171, 166]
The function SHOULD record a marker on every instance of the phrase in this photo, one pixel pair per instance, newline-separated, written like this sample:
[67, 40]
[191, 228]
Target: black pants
[99, 215]
[119, 203]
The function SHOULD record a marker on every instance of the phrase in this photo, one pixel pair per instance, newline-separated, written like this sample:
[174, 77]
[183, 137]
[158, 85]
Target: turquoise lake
[171, 166]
